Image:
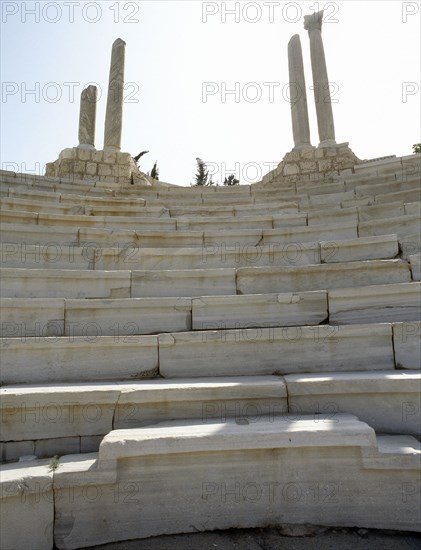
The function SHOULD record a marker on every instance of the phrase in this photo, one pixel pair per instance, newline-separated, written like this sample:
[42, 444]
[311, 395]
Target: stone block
[84, 154]
[410, 245]
[308, 166]
[97, 156]
[260, 351]
[109, 158]
[37, 317]
[27, 499]
[363, 248]
[49, 256]
[385, 303]
[208, 399]
[335, 216]
[68, 154]
[406, 340]
[54, 283]
[74, 359]
[375, 212]
[263, 310]
[415, 263]
[124, 158]
[128, 316]
[291, 169]
[13, 450]
[401, 225]
[387, 401]
[200, 282]
[91, 168]
[264, 280]
[145, 459]
[105, 170]
[48, 413]
[121, 170]
[301, 234]
[47, 448]
[90, 443]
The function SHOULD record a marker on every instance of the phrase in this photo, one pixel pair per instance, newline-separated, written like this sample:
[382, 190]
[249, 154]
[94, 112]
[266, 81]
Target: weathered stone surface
[39, 412]
[128, 316]
[375, 304]
[264, 280]
[388, 402]
[114, 113]
[37, 317]
[415, 263]
[335, 216]
[298, 94]
[73, 359]
[407, 344]
[299, 235]
[340, 458]
[211, 256]
[261, 310]
[200, 282]
[258, 351]
[410, 245]
[403, 225]
[27, 506]
[208, 399]
[87, 116]
[313, 24]
[56, 283]
[363, 248]
[48, 256]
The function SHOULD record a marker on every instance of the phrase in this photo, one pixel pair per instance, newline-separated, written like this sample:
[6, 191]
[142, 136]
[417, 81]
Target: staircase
[209, 358]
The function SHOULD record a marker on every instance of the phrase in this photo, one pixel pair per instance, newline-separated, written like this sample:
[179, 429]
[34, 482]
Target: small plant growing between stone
[54, 463]
[416, 148]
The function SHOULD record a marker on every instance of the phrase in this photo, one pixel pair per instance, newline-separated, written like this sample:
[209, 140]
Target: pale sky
[176, 50]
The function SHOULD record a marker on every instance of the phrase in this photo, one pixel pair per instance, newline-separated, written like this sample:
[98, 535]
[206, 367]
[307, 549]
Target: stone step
[387, 188]
[363, 248]
[259, 310]
[401, 225]
[264, 280]
[330, 461]
[183, 282]
[76, 358]
[379, 211]
[260, 351]
[315, 233]
[211, 257]
[388, 402]
[54, 283]
[49, 256]
[72, 418]
[375, 304]
[36, 318]
[413, 195]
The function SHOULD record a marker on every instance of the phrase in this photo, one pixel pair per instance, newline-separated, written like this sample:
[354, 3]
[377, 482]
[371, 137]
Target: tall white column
[298, 95]
[114, 113]
[313, 24]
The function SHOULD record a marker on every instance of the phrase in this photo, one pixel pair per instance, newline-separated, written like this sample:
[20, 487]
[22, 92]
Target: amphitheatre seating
[211, 332]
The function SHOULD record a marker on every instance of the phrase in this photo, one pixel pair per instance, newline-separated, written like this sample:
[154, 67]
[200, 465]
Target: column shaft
[313, 23]
[87, 116]
[298, 94]
[114, 113]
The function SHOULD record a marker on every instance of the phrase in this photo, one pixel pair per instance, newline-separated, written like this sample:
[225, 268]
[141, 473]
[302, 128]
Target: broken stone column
[114, 113]
[87, 118]
[298, 99]
[313, 24]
